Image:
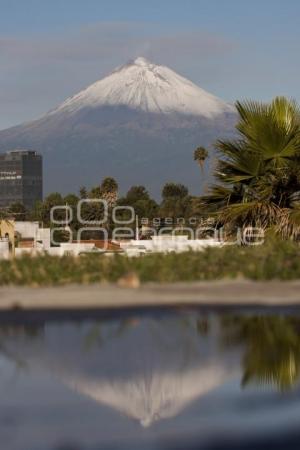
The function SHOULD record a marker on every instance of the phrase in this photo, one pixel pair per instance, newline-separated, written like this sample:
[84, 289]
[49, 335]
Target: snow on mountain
[140, 124]
[147, 87]
[150, 371]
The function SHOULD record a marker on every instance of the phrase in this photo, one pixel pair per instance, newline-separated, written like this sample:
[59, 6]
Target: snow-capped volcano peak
[142, 85]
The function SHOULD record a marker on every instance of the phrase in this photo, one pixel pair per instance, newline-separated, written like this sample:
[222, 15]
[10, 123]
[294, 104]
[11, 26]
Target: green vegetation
[257, 181]
[200, 155]
[176, 203]
[109, 191]
[258, 173]
[257, 185]
[271, 348]
[280, 260]
[138, 198]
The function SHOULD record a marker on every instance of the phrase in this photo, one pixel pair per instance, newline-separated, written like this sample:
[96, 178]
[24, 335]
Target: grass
[280, 260]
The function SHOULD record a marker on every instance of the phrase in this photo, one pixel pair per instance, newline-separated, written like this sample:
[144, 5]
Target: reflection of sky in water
[130, 383]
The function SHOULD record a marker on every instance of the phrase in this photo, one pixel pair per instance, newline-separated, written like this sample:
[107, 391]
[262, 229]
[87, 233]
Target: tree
[42, 209]
[136, 193]
[95, 192]
[18, 211]
[200, 155]
[139, 199]
[83, 194]
[174, 190]
[176, 202]
[71, 200]
[271, 347]
[258, 174]
[109, 191]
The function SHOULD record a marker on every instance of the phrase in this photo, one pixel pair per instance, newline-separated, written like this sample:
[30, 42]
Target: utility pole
[136, 228]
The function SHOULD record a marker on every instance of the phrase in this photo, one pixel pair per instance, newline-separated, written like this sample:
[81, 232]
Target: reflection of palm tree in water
[147, 359]
[272, 348]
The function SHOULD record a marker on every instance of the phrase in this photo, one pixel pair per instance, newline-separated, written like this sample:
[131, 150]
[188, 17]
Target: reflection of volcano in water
[147, 370]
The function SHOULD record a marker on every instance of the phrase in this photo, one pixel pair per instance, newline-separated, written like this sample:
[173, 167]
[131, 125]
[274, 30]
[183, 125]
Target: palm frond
[260, 172]
[288, 223]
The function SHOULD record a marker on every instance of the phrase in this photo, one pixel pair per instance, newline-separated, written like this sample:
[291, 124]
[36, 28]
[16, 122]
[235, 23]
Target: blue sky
[50, 49]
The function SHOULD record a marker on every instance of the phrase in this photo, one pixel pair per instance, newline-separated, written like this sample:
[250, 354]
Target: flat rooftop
[21, 152]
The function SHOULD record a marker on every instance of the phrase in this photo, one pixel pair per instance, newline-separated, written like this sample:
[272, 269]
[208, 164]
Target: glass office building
[21, 178]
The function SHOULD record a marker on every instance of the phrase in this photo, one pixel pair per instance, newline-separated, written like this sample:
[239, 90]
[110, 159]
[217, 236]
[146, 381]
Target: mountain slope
[139, 124]
[147, 87]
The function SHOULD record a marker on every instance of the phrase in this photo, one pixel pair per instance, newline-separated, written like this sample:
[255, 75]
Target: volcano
[140, 124]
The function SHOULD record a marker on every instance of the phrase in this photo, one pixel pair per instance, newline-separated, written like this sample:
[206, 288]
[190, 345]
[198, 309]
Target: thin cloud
[122, 39]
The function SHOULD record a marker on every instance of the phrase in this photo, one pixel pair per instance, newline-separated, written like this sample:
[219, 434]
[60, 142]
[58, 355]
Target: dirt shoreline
[108, 296]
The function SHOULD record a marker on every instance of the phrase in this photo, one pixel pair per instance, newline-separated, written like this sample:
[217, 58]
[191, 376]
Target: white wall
[73, 249]
[43, 234]
[27, 229]
[167, 244]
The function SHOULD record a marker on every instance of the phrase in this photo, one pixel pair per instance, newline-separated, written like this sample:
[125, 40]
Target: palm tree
[271, 347]
[200, 155]
[259, 172]
[109, 191]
